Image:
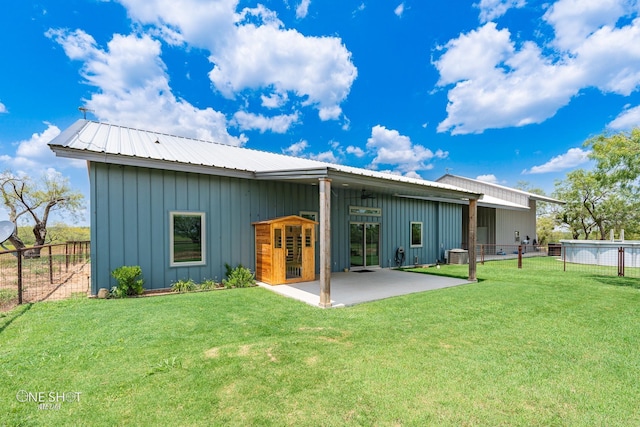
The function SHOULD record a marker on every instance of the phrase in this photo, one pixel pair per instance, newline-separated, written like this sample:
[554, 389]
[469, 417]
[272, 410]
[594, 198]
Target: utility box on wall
[458, 256]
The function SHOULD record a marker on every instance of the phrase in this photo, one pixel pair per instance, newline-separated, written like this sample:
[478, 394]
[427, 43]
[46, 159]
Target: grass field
[518, 348]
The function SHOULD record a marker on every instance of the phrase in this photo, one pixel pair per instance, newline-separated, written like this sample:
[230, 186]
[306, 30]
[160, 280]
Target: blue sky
[500, 90]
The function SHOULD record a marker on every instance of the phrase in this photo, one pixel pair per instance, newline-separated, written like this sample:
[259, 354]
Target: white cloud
[611, 70]
[498, 83]
[303, 9]
[575, 20]
[3, 108]
[397, 150]
[316, 69]
[330, 113]
[250, 50]
[297, 148]
[399, 10]
[326, 156]
[199, 23]
[486, 96]
[572, 158]
[276, 124]
[134, 87]
[346, 123]
[356, 151]
[493, 9]
[627, 120]
[33, 154]
[274, 100]
[490, 178]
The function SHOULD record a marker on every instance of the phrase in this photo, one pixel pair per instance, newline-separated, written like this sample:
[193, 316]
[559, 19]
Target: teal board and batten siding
[130, 219]
[450, 228]
[130, 209]
[441, 227]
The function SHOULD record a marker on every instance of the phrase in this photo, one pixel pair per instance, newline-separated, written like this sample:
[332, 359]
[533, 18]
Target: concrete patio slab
[355, 288]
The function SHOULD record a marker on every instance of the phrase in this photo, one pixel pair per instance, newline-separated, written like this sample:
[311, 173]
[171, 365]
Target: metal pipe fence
[612, 260]
[45, 272]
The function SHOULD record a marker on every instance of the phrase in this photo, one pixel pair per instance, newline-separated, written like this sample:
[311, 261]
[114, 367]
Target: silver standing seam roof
[107, 143]
[478, 185]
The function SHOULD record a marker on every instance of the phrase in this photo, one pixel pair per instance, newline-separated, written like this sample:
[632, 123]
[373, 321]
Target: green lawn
[518, 348]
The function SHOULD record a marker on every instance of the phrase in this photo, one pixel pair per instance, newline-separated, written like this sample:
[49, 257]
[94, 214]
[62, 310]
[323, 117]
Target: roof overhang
[373, 182]
[531, 196]
[118, 159]
[546, 199]
[485, 202]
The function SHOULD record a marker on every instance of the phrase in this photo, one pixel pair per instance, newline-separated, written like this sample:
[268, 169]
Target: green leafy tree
[607, 197]
[618, 157]
[35, 201]
[548, 231]
[578, 191]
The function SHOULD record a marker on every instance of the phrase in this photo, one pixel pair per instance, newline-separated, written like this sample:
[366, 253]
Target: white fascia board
[97, 157]
[292, 174]
[484, 202]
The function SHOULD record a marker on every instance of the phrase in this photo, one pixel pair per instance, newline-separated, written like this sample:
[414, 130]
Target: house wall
[510, 221]
[501, 224]
[450, 228]
[441, 223]
[485, 218]
[130, 209]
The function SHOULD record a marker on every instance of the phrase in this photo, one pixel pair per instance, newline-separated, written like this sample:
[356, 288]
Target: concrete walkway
[355, 288]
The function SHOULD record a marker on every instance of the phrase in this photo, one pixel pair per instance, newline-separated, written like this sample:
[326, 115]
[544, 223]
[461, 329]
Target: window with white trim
[187, 239]
[416, 234]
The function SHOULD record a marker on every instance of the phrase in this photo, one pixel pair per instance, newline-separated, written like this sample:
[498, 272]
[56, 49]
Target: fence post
[482, 254]
[50, 267]
[621, 262]
[519, 256]
[19, 276]
[66, 257]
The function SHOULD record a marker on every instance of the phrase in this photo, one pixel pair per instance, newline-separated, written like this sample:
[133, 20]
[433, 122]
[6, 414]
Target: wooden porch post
[325, 242]
[473, 227]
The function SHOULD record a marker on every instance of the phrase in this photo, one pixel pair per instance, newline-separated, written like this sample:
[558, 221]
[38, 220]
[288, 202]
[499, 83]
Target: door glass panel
[373, 244]
[364, 244]
[293, 239]
[277, 238]
[356, 245]
[307, 237]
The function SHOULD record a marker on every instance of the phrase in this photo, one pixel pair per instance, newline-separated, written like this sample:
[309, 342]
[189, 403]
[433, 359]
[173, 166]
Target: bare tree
[37, 200]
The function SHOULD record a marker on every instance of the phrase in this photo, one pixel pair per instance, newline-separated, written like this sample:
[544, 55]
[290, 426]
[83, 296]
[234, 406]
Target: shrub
[228, 269]
[184, 286]
[239, 277]
[128, 282]
[208, 284]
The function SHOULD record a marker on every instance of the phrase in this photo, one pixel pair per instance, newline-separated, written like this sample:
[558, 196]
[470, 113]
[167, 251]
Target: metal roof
[480, 184]
[107, 143]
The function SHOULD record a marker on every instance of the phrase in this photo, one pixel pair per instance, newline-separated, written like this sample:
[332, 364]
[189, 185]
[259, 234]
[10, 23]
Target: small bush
[184, 286]
[228, 270]
[239, 277]
[128, 282]
[208, 284]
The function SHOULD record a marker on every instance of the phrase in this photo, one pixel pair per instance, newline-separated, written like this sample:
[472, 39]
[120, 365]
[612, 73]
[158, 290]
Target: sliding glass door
[364, 245]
